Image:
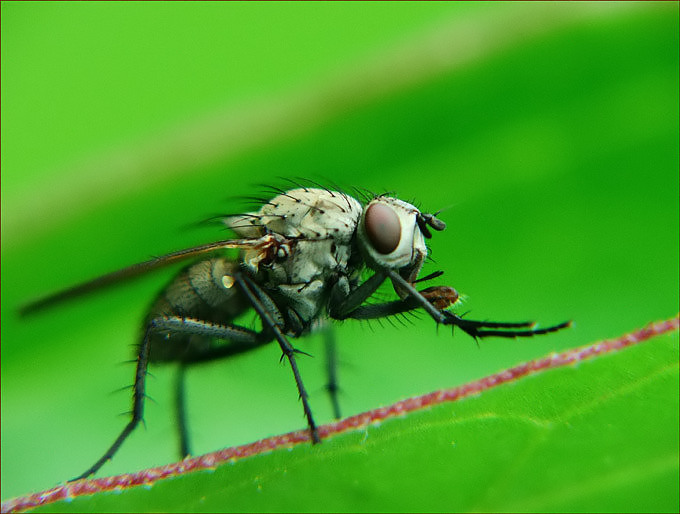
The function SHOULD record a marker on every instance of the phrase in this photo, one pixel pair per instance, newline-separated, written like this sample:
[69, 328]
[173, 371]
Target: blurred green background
[547, 132]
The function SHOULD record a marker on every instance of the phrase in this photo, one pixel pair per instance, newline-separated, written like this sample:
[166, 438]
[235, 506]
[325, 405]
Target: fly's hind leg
[209, 354]
[242, 338]
[181, 411]
[137, 405]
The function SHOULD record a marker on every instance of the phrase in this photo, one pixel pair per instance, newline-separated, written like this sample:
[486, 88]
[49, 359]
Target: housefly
[301, 258]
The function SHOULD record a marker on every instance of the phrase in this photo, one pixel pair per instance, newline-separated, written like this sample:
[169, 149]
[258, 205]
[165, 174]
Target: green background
[547, 132]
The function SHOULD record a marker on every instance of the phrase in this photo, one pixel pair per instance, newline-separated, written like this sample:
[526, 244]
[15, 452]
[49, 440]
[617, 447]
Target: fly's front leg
[344, 302]
[434, 300]
[272, 322]
[477, 329]
[474, 329]
[348, 304]
[242, 337]
[441, 297]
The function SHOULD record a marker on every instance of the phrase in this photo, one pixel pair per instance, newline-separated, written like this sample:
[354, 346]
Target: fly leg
[181, 411]
[266, 309]
[137, 405]
[332, 369]
[243, 339]
[211, 354]
[349, 304]
[441, 297]
[344, 302]
[434, 300]
[475, 329]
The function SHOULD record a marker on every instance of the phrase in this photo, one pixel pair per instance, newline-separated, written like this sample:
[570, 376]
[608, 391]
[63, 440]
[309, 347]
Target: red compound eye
[382, 228]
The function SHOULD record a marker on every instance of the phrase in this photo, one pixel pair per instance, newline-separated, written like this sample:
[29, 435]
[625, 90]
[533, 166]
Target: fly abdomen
[204, 291]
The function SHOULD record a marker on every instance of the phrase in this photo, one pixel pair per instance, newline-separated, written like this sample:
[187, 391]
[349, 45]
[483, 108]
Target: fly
[300, 259]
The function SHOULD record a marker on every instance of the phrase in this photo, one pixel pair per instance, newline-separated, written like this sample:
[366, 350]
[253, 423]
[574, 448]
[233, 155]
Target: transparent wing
[134, 271]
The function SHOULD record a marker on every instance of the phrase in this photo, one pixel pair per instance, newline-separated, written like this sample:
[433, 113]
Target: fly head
[392, 235]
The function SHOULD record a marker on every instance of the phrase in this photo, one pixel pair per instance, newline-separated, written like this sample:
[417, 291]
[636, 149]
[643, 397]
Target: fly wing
[134, 271]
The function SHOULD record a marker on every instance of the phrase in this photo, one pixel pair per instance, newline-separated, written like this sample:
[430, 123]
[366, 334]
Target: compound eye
[382, 228]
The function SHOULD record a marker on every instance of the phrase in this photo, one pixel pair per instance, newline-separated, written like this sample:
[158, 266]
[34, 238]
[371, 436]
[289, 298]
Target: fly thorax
[302, 213]
[318, 225]
[302, 279]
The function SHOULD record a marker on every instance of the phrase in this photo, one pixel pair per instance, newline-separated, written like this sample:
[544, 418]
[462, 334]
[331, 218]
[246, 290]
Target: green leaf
[547, 133]
[578, 437]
